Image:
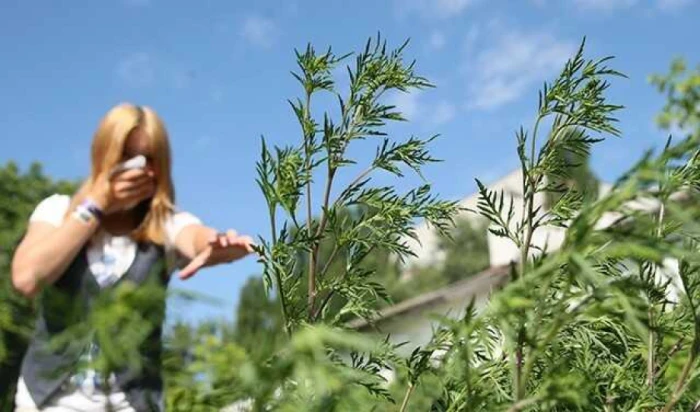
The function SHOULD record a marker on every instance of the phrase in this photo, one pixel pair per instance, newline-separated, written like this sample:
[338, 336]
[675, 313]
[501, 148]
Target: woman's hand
[123, 191]
[221, 248]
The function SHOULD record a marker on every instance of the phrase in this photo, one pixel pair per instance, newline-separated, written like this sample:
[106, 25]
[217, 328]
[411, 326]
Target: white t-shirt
[109, 257]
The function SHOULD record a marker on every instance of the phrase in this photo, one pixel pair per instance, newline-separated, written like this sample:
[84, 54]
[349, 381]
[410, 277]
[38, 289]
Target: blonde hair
[107, 149]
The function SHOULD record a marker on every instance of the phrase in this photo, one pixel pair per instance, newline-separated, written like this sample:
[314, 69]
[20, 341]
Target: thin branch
[330, 294]
[407, 396]
[309, 221]
[651, 351]
[352, 185]
[674, 349]
[522, 404]
[330, 260]
[317, 242]
[680, 385]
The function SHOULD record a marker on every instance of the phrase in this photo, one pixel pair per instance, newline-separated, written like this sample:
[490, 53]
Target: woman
[121, 226]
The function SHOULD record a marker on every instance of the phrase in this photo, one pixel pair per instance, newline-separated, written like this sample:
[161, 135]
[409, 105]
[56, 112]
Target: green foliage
[576, 176]
[380, 217]
[466, 250]
[682, 89]
[20, 192]
[590, 327]
[258, 329]
[19, 195]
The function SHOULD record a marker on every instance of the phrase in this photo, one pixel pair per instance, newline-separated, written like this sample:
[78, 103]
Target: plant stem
[407, 396]
[324, 302]
[518, 384]
[674, 349]
[357, 180]
[651, 353]
[558, 322]
[680, 385]
[278, 278]
[530, 183]
[317, 242]
[330, 260]
[534, 140]
[326, 201]
[455, 404]
[522, 404]
[609, 403]
[315, 312]
[330, 294]
[319, 309]
[309, 222]
[651, 342]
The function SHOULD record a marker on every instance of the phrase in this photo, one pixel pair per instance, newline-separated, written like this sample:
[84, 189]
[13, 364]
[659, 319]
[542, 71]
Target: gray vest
[66, 303]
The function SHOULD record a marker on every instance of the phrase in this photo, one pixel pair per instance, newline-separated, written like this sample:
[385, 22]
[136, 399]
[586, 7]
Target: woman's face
[138, 144]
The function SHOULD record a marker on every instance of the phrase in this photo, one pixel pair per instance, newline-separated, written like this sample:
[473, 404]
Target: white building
[412, 321]
[501, 251]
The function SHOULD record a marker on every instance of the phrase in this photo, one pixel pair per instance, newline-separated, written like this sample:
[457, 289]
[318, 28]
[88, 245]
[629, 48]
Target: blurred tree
[466, 252]
[578, 177]
[19, 195]
[258, 324]
[682, 88]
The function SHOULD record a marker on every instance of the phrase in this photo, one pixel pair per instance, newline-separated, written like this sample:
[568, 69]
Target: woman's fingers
[195, 264]
[223, 240]
[126, 194]
[231, 237]
[215, 240]
[135, 191]
[129, 189]
[223, 248]
[132, 175]
[133, 183]
[245, 242]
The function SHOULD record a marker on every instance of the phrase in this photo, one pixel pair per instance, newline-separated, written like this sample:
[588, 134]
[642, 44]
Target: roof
[463, 290]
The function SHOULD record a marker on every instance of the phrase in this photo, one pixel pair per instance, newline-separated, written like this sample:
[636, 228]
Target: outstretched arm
[205, 247]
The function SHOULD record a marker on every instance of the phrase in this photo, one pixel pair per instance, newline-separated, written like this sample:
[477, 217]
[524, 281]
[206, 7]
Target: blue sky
[218, 73]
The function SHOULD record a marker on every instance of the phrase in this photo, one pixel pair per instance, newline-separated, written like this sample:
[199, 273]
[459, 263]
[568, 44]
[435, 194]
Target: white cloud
[517, 61]
[137, 69]
[137, 3]
[444, 112]
[604, 5]
[204, 141]
[259, 31]
[143, 69]
[180, 78]
[414, 107]
[406, 103]
[216, 94]
[437, 40]
[672, 5]
[452, 7]
[434, 8]
[472, 37]
[497, 171]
